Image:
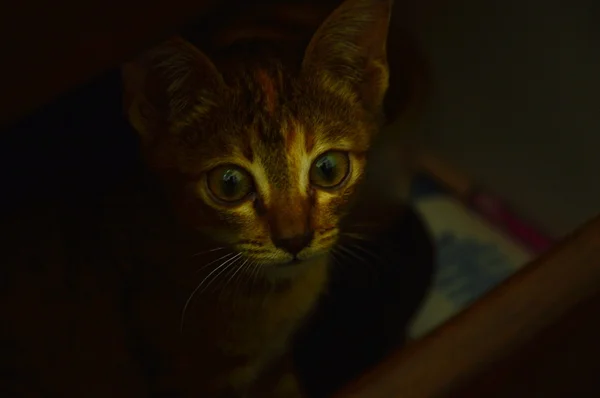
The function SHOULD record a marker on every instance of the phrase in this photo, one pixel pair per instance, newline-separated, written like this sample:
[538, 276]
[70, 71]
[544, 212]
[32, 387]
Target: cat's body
[192, 278]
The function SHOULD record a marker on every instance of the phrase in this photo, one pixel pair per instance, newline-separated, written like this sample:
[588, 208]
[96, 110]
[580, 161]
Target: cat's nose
[294, 244]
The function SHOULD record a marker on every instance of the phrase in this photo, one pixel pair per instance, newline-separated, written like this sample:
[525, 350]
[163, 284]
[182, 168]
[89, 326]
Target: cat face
[275, 187]
[261, 153]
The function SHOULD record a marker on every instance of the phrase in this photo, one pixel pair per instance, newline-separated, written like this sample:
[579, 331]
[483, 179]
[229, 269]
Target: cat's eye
[229, 183]
[330, 169]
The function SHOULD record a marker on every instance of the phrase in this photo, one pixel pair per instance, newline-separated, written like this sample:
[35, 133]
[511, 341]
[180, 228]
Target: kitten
[263, 151]
[193, 277]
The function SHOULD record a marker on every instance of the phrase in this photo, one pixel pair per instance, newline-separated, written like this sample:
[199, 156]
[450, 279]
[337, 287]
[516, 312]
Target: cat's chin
[286, 271]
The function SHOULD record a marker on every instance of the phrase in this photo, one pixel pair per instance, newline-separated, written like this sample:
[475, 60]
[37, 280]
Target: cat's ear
[348, 52]
[166, 83]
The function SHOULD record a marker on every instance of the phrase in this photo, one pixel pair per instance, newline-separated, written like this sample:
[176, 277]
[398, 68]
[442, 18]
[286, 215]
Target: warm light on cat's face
[283, 218]
[277, 135]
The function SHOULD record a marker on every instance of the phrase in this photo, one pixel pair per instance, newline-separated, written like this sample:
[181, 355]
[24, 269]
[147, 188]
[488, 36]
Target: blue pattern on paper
[468, 268]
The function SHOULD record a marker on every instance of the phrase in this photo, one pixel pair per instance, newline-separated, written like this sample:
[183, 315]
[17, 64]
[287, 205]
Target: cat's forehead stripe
[282, 161]
[267, 85]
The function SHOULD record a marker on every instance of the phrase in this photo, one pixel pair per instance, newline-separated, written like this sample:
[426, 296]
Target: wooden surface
[544, 318]
[562, 361]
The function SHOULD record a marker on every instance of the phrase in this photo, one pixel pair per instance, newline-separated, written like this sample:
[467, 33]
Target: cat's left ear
[348, 52]
[165, 84]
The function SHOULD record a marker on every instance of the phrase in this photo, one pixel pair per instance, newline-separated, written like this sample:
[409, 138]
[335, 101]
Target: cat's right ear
[165, 84]
[348, 53]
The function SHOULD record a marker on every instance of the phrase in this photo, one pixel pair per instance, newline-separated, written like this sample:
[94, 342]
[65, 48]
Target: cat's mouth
[293, 261]
[301, 260]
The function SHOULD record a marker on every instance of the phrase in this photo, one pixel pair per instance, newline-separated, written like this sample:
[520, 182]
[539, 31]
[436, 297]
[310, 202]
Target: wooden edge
[495, 326]
[562, 361]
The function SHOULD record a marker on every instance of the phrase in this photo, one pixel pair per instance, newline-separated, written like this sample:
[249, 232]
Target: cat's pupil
[326, 167]
[230, 182]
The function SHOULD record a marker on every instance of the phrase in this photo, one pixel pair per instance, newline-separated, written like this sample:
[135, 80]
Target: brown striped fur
[271, 108]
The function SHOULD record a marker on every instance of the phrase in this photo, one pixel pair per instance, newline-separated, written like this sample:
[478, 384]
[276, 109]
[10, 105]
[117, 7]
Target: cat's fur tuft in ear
[348, 51]
[165, 84]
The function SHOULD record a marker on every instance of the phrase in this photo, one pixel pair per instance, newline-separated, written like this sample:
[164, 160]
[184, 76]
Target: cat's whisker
[243, 274]
[214, 261]
[336, 251]
[334, 255]
[362, 238]
[353, 255]
[208, 251]
[248, 271]
[187, 303]
[367, 252]
[229, 271]
[356, 236]
[232, 262]
[235, 273]
[255, 272]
